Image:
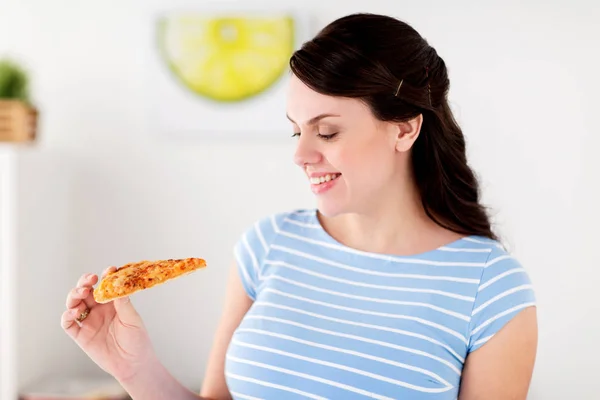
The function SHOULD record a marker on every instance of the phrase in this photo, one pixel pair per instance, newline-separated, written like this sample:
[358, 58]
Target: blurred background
[128, 163]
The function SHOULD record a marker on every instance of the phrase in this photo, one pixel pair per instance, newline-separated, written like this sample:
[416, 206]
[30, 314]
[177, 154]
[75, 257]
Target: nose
[306, 152]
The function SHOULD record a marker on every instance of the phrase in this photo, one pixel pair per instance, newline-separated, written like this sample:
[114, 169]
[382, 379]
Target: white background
[102, 188]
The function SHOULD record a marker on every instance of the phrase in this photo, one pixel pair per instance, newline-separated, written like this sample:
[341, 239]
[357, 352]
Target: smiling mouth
[322, 179]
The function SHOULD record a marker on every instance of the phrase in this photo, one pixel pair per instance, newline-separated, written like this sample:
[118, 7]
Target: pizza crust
[134, 277]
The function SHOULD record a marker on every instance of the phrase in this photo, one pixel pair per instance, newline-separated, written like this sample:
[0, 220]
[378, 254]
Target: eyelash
[324, 137]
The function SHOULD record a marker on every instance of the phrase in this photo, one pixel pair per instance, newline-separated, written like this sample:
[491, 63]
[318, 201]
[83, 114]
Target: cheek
[367, 165]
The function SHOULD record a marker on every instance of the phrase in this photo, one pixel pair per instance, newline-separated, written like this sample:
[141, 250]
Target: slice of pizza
[133, 277]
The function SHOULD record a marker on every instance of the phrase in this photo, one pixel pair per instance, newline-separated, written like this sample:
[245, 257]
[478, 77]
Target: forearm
[154, 382]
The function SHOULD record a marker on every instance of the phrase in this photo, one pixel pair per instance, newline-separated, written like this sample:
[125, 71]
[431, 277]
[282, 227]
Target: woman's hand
[112, 334]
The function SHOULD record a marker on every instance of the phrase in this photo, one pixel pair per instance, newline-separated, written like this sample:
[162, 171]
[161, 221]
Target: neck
[396, 224]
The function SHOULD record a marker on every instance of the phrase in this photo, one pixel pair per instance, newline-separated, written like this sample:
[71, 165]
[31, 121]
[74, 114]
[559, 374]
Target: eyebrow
[316, 119]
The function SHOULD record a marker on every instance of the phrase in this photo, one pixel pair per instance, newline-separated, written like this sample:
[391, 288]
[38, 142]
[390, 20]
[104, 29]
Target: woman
[394, 288]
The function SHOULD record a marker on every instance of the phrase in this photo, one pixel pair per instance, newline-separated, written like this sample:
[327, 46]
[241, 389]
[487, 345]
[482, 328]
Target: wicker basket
[18, 121]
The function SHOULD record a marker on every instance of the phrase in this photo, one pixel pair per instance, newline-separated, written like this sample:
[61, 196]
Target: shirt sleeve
[252, 248]
[504, 290]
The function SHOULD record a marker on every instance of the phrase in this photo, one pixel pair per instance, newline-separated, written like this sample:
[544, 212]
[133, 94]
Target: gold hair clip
[399, 85]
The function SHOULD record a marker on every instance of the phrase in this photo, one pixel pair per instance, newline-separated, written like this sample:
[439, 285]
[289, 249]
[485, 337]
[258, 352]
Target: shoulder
[259, 235]
[254, 244]
[501, 264]
[504, 289]
[486, 251]
[500, 270]
[269, 226]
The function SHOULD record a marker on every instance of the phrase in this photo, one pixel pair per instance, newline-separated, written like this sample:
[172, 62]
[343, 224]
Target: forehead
[303, 103]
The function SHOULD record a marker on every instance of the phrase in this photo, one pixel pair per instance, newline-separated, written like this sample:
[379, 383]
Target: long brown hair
[387, 64]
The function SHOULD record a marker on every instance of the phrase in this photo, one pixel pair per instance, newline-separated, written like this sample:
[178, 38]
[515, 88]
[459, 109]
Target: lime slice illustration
[228, 58]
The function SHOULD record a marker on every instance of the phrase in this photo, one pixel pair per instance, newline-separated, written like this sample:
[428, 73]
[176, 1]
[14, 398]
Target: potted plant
[18, 117]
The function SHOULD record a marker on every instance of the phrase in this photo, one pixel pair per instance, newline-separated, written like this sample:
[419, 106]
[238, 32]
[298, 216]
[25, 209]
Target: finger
[126, 312]
[68, 322]
[87, 280]
[81, 295]
[77, 295]
[108, 270]
[84, 290]
[89, 300]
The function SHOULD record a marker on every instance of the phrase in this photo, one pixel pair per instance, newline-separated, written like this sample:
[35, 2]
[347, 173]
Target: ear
[408, 132]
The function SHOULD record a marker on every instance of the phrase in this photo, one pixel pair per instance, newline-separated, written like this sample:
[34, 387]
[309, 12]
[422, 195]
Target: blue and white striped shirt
[332, 322]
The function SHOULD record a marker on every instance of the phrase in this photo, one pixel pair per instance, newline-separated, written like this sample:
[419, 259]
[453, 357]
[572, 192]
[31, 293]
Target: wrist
[152, 381]
[144, 370]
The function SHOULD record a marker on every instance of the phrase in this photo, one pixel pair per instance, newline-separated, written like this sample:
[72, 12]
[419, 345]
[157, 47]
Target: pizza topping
[143, 275]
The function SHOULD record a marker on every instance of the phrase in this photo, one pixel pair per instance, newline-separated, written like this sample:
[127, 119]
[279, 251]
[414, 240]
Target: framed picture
[222, 72]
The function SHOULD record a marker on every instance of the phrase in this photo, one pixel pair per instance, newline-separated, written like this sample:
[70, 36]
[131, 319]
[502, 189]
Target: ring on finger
[83, 315]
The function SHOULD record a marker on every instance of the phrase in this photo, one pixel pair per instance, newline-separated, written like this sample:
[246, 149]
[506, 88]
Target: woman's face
[352, 159]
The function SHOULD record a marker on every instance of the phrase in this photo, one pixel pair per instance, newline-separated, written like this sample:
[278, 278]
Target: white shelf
[8, 212]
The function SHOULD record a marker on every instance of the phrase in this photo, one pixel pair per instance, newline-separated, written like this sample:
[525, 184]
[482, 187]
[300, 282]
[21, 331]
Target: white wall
[100, 189]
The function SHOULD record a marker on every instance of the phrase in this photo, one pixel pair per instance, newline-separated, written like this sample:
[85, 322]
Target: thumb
[126, 312]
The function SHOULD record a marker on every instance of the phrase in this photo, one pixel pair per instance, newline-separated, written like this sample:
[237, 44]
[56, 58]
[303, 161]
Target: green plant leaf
[14, 81]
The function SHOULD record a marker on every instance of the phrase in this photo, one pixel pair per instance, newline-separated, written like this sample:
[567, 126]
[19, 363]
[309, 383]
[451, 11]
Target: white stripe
[242, 267]
[379, 314]
[500, 296]
[371, 285]
[473, 240]
[272, 385]
[500, 315]
[303, 224]
[345, 368]
[364, 325]
[497, 259]
[465, 250]
[312, 378]
[245, 396]
[483, 340]
[369, 272]
[487, 242]
[406, 260]
[260, 236]
[252, 256]
[346, 351]
[274, 223]
[373, 299]
[359, 338]
[497, 278]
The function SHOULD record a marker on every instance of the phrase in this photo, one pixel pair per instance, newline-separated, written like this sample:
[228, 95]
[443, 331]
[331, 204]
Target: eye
[327, 137]
[296, 134]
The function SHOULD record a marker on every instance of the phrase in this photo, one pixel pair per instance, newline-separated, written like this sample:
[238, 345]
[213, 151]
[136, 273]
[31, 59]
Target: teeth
[323, 179]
